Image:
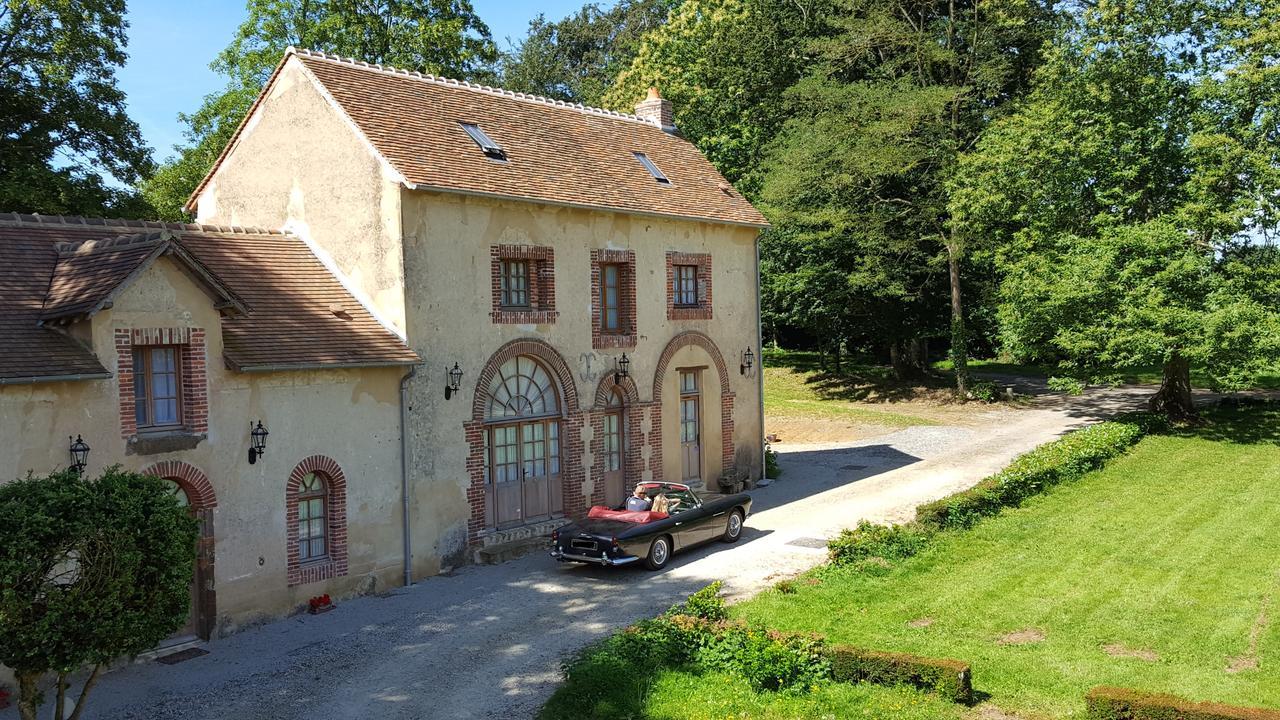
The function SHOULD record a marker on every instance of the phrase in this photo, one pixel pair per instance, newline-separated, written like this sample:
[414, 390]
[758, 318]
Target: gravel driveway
[486, 642]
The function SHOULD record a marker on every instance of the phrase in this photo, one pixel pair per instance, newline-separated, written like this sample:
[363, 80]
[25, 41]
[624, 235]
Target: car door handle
[678, 524]
[718, 514]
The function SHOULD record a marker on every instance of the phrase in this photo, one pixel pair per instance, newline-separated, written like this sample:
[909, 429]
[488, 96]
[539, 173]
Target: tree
[63, 115]
[441, 37]
[577, 59]
[900, 91]
[1143, 159]
[89, 571]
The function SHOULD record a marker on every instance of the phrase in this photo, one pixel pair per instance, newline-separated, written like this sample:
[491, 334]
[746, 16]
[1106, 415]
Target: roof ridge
[477, 87]
[14, 218]
[110, 242]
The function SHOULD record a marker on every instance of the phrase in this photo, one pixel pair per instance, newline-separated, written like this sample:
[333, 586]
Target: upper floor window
[686, 285]
[515, 284]
[157, 386]
[610, 310]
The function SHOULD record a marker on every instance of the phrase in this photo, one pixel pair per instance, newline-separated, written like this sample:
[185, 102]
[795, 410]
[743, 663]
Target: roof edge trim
[280, 367]
[24, 380]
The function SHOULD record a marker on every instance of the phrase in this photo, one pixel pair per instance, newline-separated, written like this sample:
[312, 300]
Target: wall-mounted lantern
[257, 441]
[454, 382]
[748, 360]
[621, 369]
[79, 453]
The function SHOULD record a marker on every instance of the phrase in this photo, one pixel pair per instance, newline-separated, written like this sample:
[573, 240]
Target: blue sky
[172, 43]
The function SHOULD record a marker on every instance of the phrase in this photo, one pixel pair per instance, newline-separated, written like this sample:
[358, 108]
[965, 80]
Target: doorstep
[499, 546]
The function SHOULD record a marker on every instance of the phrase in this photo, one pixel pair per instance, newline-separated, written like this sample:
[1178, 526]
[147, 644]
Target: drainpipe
[760, 350]
[404, 474]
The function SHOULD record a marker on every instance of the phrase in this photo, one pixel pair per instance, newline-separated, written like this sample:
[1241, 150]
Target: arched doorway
[694, 411]
[192, 490]
[522, 447]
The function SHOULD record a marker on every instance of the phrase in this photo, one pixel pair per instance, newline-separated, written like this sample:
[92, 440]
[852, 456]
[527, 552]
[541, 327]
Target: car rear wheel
[659, 553]
[733, 528]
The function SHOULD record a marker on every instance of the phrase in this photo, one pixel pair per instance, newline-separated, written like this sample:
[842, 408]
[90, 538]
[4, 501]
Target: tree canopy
[441, 37]
[68, 146]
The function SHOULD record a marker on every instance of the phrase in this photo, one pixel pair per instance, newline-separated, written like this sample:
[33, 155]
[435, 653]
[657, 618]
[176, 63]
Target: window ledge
[525, 317]
[163, 441]
[604, 341]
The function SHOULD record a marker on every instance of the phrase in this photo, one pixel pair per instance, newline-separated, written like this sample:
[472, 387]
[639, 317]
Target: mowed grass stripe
[1170, 550]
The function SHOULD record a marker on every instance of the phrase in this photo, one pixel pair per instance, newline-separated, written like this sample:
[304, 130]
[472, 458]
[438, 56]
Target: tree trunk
[28, 695]
[84, 692]
[1174, 397]
[919, 350]
[905, 359]
[839, 369]
[959, 341]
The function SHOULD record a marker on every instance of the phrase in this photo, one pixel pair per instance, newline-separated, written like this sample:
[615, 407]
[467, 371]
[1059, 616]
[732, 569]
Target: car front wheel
[659, 553]
[733, 528]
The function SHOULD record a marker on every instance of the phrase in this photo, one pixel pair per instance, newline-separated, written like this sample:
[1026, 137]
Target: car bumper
[562, 556]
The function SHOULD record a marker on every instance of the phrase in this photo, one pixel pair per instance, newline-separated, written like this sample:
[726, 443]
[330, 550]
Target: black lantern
[257, 441]
[455, 382]
[79, 454]
[748, 360]
[622, 369]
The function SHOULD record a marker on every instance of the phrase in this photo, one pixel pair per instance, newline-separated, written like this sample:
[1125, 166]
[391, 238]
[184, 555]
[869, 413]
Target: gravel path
[486, 642]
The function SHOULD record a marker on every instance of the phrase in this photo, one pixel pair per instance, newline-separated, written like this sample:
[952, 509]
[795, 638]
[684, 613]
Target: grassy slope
[1171, 549]
[686, 696]
[795, 386]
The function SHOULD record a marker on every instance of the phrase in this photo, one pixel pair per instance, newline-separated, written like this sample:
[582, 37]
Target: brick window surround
[701, 311]
[541, 289]
[625, 336]
[192, 373]
[334, 563]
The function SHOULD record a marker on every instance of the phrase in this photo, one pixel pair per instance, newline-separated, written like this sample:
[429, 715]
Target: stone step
[505, 552]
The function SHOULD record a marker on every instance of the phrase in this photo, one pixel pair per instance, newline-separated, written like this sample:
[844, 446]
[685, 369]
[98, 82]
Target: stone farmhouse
[461, 315]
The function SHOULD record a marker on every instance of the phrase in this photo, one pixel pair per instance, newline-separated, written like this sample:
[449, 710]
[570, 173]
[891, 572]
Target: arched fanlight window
[312, 518]
[522, 388]
[178, 493]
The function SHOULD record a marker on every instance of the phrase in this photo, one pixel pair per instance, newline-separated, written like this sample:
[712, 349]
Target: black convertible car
[615, 536]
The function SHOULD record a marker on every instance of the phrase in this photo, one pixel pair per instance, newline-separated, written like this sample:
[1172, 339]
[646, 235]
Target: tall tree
[577, 59]
[66, 134]
[902, 89]
[1131, 192]
[441, 37]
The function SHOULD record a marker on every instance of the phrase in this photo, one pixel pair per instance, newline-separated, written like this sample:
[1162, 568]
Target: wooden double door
[525, 457]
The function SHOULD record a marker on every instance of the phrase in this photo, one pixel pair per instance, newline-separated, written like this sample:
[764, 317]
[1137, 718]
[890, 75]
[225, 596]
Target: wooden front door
[615, 480]
[526, 471]
[690, 428]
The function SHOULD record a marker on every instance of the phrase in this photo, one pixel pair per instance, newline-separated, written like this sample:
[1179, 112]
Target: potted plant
[320, 604]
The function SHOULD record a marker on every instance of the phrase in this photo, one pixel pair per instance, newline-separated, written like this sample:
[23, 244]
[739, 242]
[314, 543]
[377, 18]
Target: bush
[984, 390]
[869, 546]
[771, 468]
[1108, 703]
[767, 659]
[950, 679]
[1032, 473]
[705, 603]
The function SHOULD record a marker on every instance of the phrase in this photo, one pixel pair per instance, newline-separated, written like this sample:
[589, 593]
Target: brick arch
[544, 353]
[630, 393]
[683, 340]
[190, 478]
[335, 564]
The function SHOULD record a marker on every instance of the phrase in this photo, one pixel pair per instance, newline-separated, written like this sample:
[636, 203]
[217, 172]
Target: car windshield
[679, 499]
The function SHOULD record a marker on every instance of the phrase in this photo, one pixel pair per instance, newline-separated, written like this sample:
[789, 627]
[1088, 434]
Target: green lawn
[1144, 376]
[1172, 551]
[677, 695]
[796, 386]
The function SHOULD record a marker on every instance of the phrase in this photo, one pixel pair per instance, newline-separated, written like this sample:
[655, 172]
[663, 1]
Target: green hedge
[1108, 703]
[950, 679]
[872, 547]
[1032, 473]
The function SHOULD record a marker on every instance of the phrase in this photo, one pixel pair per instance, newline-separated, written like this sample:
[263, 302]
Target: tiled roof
[557, 152]
[289, 310]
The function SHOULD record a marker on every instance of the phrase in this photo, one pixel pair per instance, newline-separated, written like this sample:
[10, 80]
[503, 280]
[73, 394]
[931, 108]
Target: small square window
[157, 387]
[610, 298]
[514, 279]
[686, 285]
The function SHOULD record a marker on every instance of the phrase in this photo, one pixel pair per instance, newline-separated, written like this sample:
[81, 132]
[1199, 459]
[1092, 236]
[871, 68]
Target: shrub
[868, 546]
[950, 679]
[1108, 703]
[767, 659]
[771, 468]
[705, 603]
[984, 390]
[1032, 473]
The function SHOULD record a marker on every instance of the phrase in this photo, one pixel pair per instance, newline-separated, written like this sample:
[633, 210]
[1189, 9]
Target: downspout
[404, 474]
[760, 351]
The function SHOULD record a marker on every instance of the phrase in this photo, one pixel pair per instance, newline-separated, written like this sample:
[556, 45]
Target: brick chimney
[657, 111]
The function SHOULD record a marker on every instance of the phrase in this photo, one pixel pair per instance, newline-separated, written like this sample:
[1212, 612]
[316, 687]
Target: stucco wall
[447, 264]
[299, 165]
[351, 416]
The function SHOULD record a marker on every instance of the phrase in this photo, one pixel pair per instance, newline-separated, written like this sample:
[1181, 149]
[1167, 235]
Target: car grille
[583, 544]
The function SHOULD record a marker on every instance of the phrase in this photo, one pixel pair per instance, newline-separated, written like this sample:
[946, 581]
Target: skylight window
[653, 169]
[486, 143]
